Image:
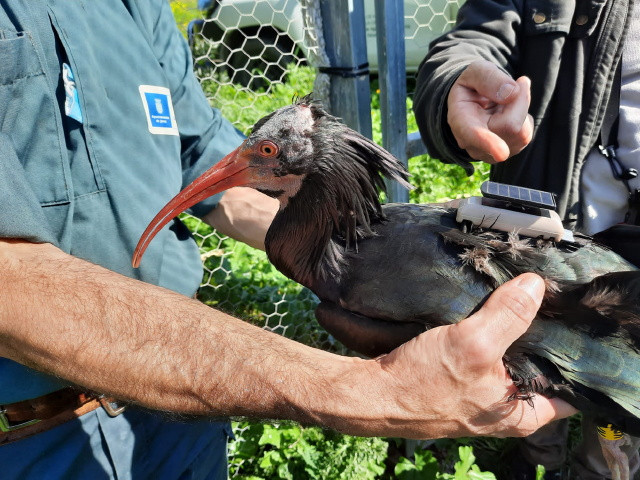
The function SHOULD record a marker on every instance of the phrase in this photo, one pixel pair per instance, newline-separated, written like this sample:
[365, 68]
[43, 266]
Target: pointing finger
[513, 123]
[488, 147]
[468, 124]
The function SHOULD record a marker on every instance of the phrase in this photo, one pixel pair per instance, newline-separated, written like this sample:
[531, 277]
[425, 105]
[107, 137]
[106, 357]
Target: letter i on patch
[72, 102]
[159, 109]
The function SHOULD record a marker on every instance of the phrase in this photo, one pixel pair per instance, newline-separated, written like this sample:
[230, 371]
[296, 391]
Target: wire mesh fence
[252, 56]
[244, 52]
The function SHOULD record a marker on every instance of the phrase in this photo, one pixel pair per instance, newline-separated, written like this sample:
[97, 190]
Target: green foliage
[466, 467]
[184, 11]
[244, 107]
[290, 452]
[426, 467]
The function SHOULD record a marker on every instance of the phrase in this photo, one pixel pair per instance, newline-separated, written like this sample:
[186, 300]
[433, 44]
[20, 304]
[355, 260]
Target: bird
[384, 273]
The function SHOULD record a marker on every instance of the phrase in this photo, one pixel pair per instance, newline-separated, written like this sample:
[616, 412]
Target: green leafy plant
[184, 11]
[426, 467]
[290, 452]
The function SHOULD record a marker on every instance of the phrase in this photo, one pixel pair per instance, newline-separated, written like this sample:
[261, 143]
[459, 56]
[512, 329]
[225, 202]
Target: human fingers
[519, 418]
[482, 340]
[468, 119]
[503, 319]
[486, 146]
[547, 410]
[489, 81]
[479, 93]
[512, 122]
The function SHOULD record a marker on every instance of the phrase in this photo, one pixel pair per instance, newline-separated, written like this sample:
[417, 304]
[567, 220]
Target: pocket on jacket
[17, 57]
[29, 116]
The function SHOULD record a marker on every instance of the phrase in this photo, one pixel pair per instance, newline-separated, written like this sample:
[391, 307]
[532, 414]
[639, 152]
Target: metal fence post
[393, 85]
[345, 44]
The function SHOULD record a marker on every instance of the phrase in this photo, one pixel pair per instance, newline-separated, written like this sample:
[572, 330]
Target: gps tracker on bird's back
[508, 208]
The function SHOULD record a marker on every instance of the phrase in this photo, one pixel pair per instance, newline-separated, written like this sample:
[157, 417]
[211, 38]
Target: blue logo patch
[159, 109]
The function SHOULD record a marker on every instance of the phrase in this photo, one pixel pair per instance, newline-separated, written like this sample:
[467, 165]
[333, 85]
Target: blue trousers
[135, 445]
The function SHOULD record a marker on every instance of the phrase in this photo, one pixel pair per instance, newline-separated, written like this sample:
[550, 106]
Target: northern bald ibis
[385, 273]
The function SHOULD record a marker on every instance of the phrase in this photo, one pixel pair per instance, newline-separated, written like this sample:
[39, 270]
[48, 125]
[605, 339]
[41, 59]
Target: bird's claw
[522, 394]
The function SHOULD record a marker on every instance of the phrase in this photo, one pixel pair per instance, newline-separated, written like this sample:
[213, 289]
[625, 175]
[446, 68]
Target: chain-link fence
[251, 57]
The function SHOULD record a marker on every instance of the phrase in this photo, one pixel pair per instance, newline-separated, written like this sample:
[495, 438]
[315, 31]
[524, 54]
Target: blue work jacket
[89, 180]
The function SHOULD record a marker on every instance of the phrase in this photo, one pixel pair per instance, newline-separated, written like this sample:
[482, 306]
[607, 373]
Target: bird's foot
[525, 395]
[526, 378]
[611, 439]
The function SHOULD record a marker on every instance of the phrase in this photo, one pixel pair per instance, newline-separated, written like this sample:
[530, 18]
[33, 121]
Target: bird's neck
[310, 235]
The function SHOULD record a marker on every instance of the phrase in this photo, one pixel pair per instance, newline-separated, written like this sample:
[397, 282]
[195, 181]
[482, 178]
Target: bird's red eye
[268, 149]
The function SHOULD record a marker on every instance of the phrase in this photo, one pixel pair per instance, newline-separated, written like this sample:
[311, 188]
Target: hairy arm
[150, 346]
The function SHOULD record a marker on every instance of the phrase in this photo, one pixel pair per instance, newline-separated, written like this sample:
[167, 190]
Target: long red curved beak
[231, 171]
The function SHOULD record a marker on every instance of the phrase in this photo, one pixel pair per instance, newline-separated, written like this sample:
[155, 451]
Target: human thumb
[508, 312]
[489, 81]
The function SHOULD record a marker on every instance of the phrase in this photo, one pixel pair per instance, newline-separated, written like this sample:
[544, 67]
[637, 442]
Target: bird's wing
[406, 272]
[591, 334]
[594, 369]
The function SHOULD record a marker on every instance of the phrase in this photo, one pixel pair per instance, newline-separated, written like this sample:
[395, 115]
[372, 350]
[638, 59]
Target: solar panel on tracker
[518, 195]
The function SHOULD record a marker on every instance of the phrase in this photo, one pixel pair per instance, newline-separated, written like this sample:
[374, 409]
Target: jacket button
[582, 19]
[539, 17]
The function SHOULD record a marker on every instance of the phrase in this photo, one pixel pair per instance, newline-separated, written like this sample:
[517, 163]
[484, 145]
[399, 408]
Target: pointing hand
[488, 112]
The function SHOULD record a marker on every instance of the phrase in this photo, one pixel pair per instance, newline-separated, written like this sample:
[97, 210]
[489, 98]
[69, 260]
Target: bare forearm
[159, 349]
[150, 346]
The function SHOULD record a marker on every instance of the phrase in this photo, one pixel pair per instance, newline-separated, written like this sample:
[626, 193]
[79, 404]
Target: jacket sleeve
[484, 30]
[23, 217]
[205, 135]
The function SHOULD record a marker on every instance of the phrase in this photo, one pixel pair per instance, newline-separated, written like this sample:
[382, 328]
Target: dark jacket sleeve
[484, 30]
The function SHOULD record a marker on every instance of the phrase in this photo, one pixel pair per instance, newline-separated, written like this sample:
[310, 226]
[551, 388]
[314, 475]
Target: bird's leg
[611, 439]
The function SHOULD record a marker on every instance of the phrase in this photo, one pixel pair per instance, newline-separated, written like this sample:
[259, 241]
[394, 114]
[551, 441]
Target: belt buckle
[5, 426]
[111, 407]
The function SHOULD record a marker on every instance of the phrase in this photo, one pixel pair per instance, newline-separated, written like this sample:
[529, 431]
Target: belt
[29, 417]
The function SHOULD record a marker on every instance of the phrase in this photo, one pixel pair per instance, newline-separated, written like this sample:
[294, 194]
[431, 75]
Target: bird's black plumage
[385, 273]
